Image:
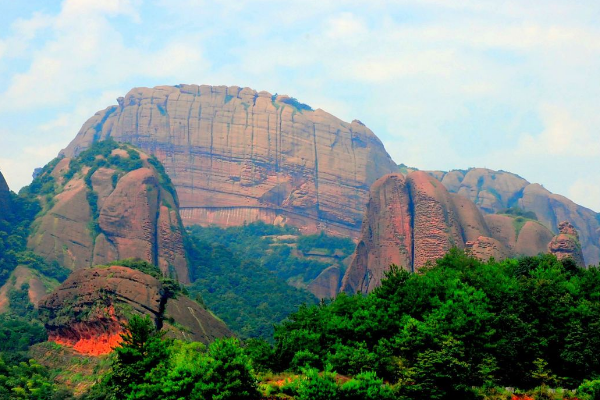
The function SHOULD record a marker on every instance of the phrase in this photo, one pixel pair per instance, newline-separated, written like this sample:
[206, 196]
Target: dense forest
[242, 273]
[458, 329]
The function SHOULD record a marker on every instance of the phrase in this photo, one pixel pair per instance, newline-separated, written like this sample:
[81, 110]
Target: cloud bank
[506, 85]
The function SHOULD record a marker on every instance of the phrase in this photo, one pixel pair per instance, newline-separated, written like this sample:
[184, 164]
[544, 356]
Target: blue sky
[509, 85]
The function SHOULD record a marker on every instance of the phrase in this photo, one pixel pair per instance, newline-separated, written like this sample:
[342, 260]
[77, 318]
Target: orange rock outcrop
[237, 155]
[88, 310]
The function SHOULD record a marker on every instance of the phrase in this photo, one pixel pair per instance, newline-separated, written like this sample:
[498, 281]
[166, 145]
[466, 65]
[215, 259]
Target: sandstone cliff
[238, 155]
[112, 202]
[88, 310]
[494, 191]
[566, 244]
[412, 219]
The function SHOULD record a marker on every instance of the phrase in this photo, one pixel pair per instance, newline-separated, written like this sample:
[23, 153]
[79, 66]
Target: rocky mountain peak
[237, 155]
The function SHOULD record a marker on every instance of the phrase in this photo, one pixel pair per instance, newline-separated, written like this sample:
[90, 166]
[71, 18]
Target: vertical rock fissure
[316, 168]
[411, 216]
[252, 145]
[156, 228]
[279, 140]
[212, 126]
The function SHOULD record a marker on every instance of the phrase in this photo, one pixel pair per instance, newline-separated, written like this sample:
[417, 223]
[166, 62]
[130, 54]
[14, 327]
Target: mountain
[413, 219]
[5, 202]
[110, 202]
[494, 191]
[88, 310]
[237, 155]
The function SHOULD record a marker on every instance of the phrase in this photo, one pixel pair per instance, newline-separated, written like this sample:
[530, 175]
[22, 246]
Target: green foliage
[28, 380]
[318, 386]
[519, 212]
[241, 272]
[330, 244]
[164, 179]
[17, 334]
[292, 101]
[590, 389]
[148, 367]
[366, 386]
[14, 229]
[231, 371]
[261, 353]
[246, 295]
[100, 155]
[141, 350]
[51, 270]
[458, 324]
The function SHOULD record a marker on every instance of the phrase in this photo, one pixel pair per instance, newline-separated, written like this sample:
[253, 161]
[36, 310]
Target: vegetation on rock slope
[241, 272]
[459, 329]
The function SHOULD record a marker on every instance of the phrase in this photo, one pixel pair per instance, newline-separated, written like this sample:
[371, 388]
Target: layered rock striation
[109, 204]
[237, 155]
[494, 191]
[87, 312]
[412, 219]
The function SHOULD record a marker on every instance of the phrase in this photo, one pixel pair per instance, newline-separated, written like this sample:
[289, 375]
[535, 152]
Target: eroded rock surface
[88, 310]
[566, 244]
[111, 213]
[494, 191]
[237, 155]
[412, 220]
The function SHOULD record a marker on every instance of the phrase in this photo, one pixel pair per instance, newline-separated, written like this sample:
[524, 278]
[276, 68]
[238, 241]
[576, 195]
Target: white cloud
[586, 193]
[86, 52]
[564, 135]
[444, 84]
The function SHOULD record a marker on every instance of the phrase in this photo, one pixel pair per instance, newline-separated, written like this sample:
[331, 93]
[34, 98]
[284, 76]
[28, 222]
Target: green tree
[141, 350]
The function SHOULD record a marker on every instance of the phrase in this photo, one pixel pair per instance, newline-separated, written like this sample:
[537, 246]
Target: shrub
[318, 386]
[590, 388]
[366, 386]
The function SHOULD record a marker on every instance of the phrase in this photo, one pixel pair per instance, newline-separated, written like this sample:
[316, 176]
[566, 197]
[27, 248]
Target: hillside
[110, 202]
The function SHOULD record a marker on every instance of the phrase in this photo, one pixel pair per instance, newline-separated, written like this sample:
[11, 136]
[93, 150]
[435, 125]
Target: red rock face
[566, 244]
[387, 235]
[493, 191]
[435, 223]
[236, 155]
[413, 220]
[137, 218]
[88, 310]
